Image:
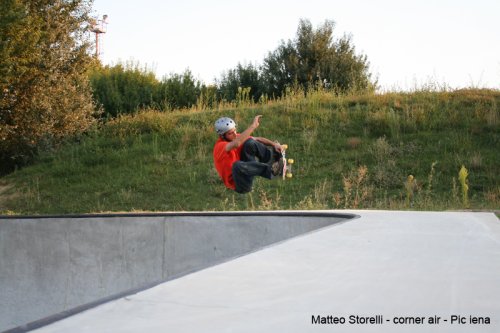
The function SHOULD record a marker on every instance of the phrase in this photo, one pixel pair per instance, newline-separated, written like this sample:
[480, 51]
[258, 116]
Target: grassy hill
[349, 151]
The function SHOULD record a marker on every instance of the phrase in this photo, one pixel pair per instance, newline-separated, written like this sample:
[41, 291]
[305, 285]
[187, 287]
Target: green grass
[349, 151]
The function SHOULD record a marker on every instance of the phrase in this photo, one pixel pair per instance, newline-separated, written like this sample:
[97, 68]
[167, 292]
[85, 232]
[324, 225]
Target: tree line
[126, 88]
[52, 88]
[313, 58]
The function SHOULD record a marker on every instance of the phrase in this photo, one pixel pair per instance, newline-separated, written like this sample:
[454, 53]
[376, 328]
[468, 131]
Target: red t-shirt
[224, 160]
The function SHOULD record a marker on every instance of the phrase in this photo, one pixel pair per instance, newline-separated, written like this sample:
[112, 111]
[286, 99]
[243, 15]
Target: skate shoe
[277, 167]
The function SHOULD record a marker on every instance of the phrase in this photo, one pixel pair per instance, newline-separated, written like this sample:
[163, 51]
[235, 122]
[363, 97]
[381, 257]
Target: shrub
[127, 88]
[464, 183]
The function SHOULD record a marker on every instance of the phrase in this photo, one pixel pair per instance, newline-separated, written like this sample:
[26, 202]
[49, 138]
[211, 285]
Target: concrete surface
[54, 264]
[387, 271]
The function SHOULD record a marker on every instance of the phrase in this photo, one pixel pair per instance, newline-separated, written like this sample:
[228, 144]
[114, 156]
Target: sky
[409, 44]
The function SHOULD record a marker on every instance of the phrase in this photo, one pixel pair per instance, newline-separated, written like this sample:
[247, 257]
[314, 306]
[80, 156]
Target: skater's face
[230, 135]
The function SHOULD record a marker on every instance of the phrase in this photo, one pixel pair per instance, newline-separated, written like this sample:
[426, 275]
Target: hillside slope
[349, 151]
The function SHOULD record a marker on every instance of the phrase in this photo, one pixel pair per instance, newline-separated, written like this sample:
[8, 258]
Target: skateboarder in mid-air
[238, 158]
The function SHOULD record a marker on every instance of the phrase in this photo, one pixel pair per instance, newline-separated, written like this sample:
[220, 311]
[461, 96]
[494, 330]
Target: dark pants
[255, 160]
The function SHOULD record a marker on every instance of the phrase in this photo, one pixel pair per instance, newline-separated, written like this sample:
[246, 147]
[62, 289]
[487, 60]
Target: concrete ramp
[54, 266]
[384, 272]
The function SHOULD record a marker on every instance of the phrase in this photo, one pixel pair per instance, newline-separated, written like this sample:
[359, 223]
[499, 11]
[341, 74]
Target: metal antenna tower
[99, 27]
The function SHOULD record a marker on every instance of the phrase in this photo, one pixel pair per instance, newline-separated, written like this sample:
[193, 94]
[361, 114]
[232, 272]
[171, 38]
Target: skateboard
[287, 163]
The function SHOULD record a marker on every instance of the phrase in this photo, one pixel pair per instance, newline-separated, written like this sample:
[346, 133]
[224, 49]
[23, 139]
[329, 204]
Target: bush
[124, 88]
[179, 91]
[127, 88]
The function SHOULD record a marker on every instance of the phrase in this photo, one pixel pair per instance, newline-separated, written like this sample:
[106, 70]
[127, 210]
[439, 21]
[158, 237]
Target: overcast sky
[408, 43]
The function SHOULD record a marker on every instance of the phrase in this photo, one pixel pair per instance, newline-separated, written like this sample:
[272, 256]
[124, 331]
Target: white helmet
[224, 124]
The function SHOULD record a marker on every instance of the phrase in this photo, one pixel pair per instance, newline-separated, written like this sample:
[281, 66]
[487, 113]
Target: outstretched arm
[243, 136]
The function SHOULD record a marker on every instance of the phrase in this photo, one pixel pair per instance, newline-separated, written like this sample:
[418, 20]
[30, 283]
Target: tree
[44, 58]
[124, 88]
[179, 90]
[127, 88]
[315, 57]
[279, 69]
[243, 76]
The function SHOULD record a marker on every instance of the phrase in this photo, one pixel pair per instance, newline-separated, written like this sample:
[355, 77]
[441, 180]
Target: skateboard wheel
[290, 161]
[289, 175]
[284, 146]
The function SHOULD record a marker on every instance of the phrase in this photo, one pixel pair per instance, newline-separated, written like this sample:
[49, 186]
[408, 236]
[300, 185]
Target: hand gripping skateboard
[287, 164]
